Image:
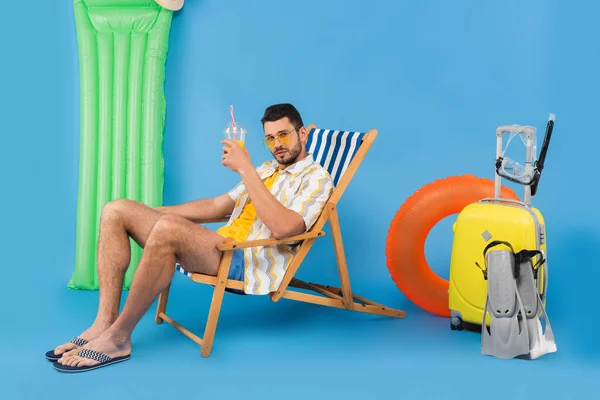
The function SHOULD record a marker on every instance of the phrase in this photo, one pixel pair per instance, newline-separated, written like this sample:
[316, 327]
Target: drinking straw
[232, 121]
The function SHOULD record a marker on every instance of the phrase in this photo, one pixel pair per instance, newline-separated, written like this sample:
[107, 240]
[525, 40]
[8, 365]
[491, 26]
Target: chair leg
[213, 316]
[162, 304]
[215, 305]
[338, 247]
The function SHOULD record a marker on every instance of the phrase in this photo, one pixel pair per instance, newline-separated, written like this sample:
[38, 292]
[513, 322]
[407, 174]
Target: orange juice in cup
[236, 132]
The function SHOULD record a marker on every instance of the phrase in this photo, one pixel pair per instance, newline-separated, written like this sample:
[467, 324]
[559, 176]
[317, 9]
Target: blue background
[435, 78]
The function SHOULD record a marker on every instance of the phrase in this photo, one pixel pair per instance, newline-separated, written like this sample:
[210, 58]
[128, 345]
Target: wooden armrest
[266, 242]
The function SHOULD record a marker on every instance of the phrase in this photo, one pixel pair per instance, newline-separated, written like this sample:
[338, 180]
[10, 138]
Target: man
[281, 198]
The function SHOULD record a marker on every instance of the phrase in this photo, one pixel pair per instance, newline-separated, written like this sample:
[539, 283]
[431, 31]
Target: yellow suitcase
[491, 219]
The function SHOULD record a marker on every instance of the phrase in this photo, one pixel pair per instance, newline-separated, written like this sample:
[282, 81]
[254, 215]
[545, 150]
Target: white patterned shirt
[303, 187]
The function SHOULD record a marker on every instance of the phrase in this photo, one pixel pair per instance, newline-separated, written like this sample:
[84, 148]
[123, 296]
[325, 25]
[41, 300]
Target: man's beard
[290, 156]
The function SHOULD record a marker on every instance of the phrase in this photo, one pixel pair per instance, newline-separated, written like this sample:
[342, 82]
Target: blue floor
[266, 350]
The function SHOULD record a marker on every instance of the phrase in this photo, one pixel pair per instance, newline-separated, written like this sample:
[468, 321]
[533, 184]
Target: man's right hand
[234, 157]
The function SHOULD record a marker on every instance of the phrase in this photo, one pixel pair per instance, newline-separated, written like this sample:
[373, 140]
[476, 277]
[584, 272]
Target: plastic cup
[236, 132]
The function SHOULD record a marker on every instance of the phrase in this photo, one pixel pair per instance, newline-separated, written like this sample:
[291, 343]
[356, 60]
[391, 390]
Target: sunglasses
[283, 138]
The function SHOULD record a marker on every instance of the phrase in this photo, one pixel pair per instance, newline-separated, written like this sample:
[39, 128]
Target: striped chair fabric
[333, 149]
[179, 268]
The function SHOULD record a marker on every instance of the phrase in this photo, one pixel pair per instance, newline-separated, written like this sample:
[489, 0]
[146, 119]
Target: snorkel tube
[539, 164]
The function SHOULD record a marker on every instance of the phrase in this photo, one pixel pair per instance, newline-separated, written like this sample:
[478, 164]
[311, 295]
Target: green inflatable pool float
[122, 53]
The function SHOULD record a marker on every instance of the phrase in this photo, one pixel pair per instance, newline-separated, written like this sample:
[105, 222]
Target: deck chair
[341, 153]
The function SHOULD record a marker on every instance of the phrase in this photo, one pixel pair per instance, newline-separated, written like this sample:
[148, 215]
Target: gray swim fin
[508, 335]
[539, 344]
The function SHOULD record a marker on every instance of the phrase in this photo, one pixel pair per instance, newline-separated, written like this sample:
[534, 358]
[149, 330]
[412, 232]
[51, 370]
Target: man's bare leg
[172, 238]
[120, 219]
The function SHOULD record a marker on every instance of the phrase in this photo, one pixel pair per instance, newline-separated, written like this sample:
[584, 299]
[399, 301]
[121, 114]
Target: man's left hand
[234, 157]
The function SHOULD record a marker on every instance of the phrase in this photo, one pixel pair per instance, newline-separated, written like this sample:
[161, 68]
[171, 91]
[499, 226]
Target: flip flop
[51, 356]
[102, 358]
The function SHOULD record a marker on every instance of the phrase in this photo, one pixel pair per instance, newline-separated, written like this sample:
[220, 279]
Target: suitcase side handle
[498, 199]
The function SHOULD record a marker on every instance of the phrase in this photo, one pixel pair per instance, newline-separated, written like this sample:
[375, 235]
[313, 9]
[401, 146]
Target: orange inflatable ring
[405, 243]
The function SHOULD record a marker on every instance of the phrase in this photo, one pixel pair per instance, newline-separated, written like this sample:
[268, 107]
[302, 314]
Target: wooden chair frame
[329, 296]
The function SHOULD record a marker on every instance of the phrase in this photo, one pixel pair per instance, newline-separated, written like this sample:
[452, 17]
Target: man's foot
[90, 334]
[107, 345]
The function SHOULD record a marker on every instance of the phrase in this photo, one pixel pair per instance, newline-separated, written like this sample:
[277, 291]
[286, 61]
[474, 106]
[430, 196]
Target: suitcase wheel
[456, 324]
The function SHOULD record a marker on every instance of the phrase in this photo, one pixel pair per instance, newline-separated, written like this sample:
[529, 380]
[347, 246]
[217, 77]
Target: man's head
[285, 134]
